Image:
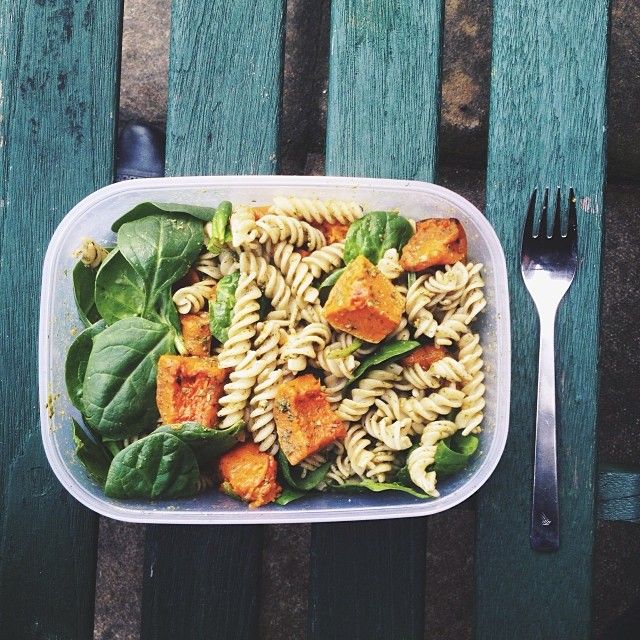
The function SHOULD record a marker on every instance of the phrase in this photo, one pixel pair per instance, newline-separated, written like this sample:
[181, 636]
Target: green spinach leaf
[221, 309]
[371, 485]
[309, 482]
[389, 352]
[221, 230]
[84, 282]
[119, 290]
[206, 444]
[93, 455]
[452, 455]
[327, 284]
[145, 209]
[158, 466]
[160, 249]
[374, 233]
[289, 495]
[75, 365]
[119, 390]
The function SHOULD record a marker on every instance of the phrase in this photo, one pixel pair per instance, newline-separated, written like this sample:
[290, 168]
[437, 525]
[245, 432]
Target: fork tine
[542, 229]
[557, 217]
[572, 224]
[527, 232]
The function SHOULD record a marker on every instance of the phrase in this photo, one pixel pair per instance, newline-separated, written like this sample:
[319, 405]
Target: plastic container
[59, 322]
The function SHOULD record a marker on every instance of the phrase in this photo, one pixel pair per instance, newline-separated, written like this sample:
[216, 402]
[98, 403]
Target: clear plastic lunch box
[59, 323]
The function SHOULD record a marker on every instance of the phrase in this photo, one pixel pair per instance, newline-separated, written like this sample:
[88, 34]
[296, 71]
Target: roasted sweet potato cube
[196, 333]
[249, 474]
[261, 210]
[189, 278]
[425, 356]
[437, 241]
[189, 388]
[364, 303]
[333, 231]
[304, 419]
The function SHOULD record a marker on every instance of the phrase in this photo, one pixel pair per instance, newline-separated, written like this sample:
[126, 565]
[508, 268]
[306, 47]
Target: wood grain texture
[368, 579]
[547, 128]
[224, 105]
[619, 493]
[58, 93]
[384, 88]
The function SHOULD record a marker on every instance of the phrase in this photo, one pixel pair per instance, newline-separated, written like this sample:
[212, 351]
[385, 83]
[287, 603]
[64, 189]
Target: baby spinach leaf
[94, 456]
[119, 390]
[452, 455]
[207, 444]
[158, 466]
[371, 485]
[84, 282]
[289, 495]
[221, 230]
[309, 482]
[374, 233]
[145, 209]
[75, 365]
[389, 352]
[160, 249]
[119, 290]
[327, 284]
[221, 309]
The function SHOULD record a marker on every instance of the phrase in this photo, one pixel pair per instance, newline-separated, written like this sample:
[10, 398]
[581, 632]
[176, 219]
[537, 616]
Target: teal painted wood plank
[224, 106]
[368, 579]
[619, 493]
[384, 88]
[547, 127]
[57, 123]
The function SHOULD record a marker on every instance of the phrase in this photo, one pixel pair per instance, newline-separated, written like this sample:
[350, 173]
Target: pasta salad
[275, 351]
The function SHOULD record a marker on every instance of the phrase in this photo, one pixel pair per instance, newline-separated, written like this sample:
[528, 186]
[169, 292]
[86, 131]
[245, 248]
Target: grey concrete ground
[463, 149]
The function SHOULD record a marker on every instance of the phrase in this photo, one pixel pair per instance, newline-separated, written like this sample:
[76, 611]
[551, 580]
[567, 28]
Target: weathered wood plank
[224, 101]
[368, 579]
[56, 146]
[618, 493]
[547, 128]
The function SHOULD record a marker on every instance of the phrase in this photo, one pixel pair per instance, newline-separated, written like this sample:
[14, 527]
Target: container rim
[287, 514]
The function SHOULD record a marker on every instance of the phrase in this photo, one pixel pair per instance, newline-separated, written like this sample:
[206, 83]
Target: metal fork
[548, 263]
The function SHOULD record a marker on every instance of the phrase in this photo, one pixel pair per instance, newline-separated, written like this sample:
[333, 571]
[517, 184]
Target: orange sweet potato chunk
[261, 210]
[425, 356]
[196, 333]
[250, 474]
[304, 419]
[333, 231]
[189, 388]
[364, 303]
[437, 241]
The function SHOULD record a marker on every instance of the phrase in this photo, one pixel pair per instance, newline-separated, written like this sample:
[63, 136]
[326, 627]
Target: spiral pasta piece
[446, 287]
[473, 300]
[341, 470]
[384, 464]
[356, 443]
[333, 387]
[194, 298]
[425, 410]
[296, 273]
[208, 265]
[471, 414]
[305, 344]
[238, 389]
[269, 279]
[244, 231]
[243, 326]
[393, 433]
[418, 314]
[325, 259]
[338, 366]
[272, 228]
[390, 405]
[317, 211]
[424, 456]
[389, 265]
[368, 389]
[446, 369]
[452, 327]
[90, 253]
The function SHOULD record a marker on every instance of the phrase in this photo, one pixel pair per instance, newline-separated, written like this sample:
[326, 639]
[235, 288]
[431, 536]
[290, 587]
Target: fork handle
[545, 512]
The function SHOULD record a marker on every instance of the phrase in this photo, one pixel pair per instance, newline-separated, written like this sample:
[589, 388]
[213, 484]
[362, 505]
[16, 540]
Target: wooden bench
[58, 104]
